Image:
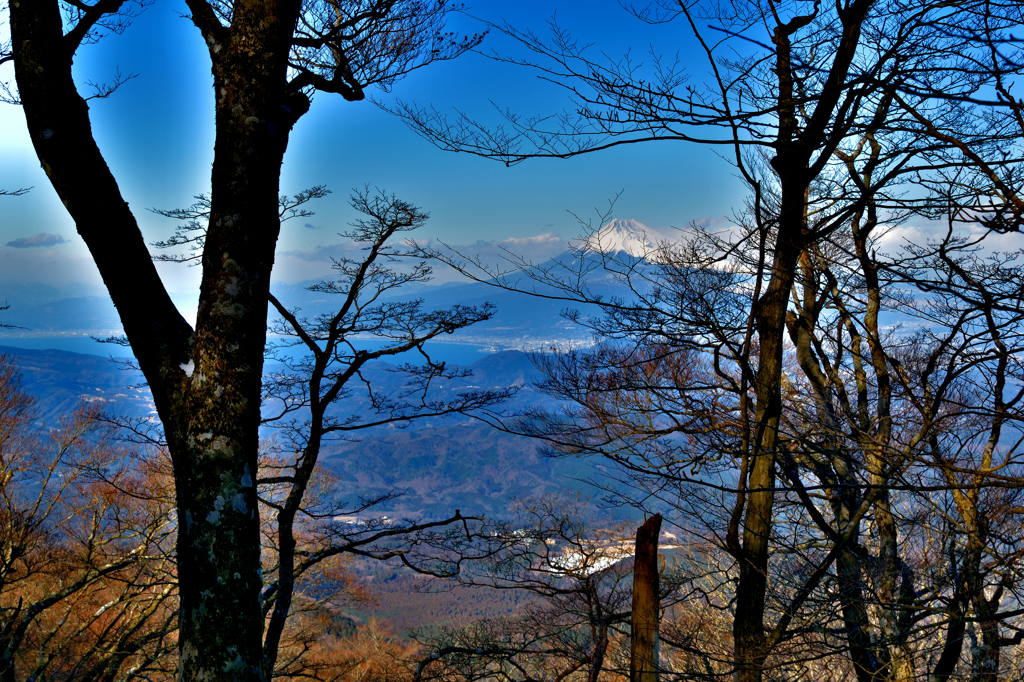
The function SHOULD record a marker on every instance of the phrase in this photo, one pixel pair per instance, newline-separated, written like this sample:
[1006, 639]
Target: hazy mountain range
[62, 381]
[41, 311]
[438, 465]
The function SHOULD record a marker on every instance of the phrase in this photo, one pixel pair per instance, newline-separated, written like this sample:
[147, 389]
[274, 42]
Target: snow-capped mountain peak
[630, 236]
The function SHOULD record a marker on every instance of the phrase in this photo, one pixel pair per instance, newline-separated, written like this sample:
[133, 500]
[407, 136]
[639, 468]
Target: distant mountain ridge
[438, 465]
[524, 321]
[62, 381]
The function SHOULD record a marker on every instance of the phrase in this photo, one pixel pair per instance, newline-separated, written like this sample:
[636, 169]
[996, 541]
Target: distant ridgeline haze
[438, 464]
[47, 317]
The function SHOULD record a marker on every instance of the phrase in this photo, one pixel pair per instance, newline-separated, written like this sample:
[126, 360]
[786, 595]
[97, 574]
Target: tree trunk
[600, 650]
[643, 661]
[900, 665]
[985, 656]
[952, 647]
[770, 316]
[206, 384]
[286, 542]
[856, 622]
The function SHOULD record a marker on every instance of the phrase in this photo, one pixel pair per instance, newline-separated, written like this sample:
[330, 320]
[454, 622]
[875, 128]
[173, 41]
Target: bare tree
[792, 88]
[206, 380]
[87, 586]
[578, 572]
[319, 392]
[827, 112]
[330, 370]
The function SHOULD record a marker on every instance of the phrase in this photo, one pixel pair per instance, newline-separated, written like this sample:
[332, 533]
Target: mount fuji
[531, 322]
[536, 322]
[625, 236]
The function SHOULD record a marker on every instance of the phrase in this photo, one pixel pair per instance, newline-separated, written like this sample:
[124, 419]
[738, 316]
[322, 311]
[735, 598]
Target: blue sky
[157, 135]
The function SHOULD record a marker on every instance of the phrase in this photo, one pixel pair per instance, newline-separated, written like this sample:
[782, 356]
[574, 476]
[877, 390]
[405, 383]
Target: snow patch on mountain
[625, 235]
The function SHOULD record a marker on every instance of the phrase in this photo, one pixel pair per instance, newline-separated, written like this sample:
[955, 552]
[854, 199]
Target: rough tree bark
[643, 662]
[205, 382]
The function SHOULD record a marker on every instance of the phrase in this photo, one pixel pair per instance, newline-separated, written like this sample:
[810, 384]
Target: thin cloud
[40, 240]
[548, 239]
[714, 222]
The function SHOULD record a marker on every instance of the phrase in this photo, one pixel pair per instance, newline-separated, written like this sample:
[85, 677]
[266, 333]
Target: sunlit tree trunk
[643, 663]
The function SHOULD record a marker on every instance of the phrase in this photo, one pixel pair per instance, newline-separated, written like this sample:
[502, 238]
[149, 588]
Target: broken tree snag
[643, 660]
